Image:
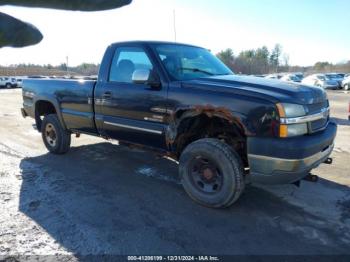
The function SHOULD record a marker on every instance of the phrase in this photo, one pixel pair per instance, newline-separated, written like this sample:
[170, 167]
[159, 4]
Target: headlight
[291, 110]
[293, 130]
[288, 112]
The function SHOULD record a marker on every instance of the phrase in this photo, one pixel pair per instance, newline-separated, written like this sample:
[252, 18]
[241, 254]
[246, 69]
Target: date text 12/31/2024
[173, 258]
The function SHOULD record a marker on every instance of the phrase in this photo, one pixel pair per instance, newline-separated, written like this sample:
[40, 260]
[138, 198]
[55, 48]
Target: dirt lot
[101, 198]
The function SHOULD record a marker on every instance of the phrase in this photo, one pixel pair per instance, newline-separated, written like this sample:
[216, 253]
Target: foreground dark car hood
[274, 90]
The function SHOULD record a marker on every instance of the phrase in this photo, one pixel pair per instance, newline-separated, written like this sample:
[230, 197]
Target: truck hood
[270, 89]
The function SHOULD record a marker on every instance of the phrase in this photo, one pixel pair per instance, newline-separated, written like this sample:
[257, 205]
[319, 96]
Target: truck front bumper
[283, 161]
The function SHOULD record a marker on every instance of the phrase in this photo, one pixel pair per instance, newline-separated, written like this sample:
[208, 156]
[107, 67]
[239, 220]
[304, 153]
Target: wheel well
[43, 108]
[202, 126]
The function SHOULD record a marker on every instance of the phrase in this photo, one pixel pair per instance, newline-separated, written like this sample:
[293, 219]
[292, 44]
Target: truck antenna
[67, 64]
[174, 22]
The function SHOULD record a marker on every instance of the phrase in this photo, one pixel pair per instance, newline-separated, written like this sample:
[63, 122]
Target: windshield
[323, 78]
[186, 62]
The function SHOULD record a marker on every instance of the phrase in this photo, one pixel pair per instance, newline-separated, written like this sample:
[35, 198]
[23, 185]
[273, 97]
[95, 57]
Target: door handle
[107, 95]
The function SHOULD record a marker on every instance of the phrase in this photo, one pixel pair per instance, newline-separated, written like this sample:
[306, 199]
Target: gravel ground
[101, 198]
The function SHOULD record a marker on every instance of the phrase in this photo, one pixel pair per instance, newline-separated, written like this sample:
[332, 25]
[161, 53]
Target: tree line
[262, 61]
[85, 69]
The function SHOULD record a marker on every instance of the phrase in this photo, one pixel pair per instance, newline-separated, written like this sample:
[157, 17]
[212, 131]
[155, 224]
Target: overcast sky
[308, 30]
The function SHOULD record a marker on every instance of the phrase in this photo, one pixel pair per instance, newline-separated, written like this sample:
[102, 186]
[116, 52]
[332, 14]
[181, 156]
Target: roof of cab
[142, 42]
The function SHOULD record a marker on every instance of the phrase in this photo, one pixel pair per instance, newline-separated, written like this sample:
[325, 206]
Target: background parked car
[290, 78]
[8, 82]
[273, 76]
[346, 83]
[337, 77]
[321, 80]
[300, 76]
[19, 82]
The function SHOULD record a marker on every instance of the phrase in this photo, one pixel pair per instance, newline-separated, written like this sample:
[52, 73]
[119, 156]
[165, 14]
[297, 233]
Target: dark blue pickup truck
[224, 129]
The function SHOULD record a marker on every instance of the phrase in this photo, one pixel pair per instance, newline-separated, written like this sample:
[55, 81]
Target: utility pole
[174, 23]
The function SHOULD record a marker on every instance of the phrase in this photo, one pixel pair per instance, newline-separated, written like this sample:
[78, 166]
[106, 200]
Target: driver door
[131, 111]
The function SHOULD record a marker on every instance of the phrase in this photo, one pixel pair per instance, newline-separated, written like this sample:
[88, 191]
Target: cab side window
[125, 61]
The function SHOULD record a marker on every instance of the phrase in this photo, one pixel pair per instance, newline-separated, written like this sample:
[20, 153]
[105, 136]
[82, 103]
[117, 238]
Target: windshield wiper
[196, 70]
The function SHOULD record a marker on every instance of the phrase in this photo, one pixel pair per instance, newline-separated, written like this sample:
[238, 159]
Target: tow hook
[328, 161]
[311, 178]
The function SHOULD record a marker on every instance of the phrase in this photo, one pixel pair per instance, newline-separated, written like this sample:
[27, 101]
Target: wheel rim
[205, 175]
[50, 135]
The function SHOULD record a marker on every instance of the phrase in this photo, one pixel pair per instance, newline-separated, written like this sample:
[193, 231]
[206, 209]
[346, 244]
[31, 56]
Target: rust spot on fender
[188, 112]
[212, 111]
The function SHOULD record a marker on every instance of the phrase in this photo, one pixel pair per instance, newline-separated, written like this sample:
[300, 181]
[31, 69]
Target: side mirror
[146, 77]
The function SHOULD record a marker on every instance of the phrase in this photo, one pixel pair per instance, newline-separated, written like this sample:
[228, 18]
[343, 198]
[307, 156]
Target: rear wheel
[211, 173]
[8, 85]
[56, 138]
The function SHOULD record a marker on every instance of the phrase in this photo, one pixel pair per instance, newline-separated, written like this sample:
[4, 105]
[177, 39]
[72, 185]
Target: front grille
[318, 124]
[316, 108]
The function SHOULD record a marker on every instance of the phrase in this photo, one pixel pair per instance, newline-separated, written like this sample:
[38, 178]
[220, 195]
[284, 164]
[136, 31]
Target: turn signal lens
[293, 130]
[283, 131]
[280, 109]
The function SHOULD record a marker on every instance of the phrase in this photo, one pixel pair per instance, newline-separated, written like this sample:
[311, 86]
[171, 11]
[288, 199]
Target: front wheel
[346, 87]
[8, 85]
[56, 138]
[211, 173]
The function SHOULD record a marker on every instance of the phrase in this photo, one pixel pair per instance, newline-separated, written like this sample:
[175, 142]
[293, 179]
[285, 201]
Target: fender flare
[54, 102]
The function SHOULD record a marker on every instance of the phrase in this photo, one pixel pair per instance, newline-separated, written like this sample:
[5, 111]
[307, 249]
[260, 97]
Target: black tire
[56, 138]
[8, 85]
[222, 162]
[346, 87]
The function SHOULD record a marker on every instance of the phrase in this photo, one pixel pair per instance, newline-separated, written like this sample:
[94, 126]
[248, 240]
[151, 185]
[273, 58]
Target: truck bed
[73, 99]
